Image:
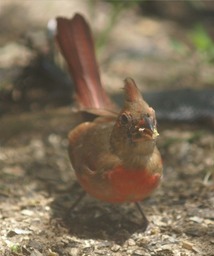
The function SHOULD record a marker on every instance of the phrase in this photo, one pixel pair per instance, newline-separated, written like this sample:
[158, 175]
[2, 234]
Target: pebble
[187, 245]
[115, 248]
[138, 252]
[131, 242]
[196, 219]
[72, 251]
[27, 212]
[51, 253]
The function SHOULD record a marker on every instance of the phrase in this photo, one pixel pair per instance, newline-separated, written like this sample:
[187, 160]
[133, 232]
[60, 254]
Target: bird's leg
[145, 220]
[78, 200]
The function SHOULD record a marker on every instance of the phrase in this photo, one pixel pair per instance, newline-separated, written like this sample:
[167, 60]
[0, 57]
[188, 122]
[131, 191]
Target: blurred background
[168, 48]
[163, 45]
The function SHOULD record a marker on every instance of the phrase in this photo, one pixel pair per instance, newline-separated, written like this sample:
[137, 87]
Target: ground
[37, 184]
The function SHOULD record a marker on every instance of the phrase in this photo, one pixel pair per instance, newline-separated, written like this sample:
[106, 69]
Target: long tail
[76, 43]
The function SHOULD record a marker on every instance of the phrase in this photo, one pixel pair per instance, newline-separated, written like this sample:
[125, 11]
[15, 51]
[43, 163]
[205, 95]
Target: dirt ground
[37, 184]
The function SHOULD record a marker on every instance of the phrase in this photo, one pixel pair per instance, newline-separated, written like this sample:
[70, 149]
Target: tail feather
[76, 44]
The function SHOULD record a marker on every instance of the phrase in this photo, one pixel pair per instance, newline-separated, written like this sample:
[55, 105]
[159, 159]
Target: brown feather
[76, 44]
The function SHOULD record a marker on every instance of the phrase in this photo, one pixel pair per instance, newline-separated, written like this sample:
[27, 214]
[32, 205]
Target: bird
[114, 155]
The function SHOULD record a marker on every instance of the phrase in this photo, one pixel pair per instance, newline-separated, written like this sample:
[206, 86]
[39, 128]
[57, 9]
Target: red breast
[121, 185]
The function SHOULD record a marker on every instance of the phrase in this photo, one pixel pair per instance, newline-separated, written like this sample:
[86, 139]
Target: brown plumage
[115, 156]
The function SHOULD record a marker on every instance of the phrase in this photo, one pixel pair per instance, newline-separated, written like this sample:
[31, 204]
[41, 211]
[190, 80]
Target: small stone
[51, 253]
[131, 242]
[196, 219]
[115, 248]
[72, 251]
[22, 231]
[138, 252]
[208, 222]
[27, 212]
[17, 231]
[187, 245]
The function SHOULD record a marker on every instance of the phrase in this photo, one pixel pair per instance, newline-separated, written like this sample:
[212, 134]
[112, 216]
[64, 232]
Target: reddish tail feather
[76, 44]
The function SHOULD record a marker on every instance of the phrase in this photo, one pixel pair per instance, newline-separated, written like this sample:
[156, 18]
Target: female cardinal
[115, 157]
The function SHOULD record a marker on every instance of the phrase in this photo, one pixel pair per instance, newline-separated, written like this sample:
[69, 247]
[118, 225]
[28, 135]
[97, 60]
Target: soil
[37, 183]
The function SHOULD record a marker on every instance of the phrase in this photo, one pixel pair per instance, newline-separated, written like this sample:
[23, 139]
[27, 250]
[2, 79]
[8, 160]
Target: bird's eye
[124, 118]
